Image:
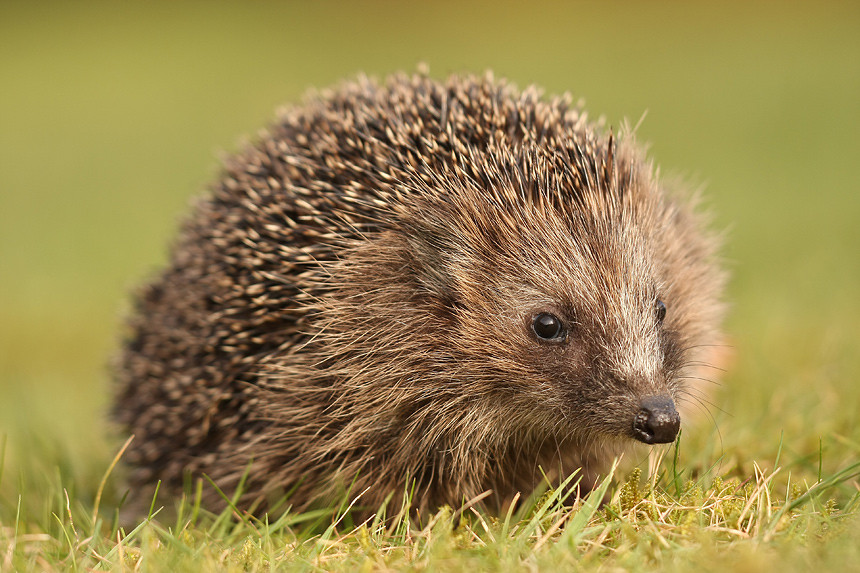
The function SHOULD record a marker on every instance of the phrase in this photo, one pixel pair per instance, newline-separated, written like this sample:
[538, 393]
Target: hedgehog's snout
[657, 421]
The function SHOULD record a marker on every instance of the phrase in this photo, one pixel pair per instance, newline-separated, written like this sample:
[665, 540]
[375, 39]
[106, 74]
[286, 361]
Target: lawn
[113, 115]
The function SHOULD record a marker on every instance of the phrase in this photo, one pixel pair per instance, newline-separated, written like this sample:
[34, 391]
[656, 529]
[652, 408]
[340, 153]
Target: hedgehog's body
[456, 284]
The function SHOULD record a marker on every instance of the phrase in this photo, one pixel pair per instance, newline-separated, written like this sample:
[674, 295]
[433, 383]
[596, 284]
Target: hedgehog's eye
[660, 309]
[548, 326]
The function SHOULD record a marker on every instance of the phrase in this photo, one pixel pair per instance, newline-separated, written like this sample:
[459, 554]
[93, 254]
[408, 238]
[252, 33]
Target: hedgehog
[447, 288]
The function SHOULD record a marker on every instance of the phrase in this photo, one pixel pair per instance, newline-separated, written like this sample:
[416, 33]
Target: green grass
[113, 115]
[670, 520]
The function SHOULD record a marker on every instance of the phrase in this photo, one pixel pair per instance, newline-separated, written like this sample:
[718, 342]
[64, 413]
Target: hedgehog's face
[601, 364]
[609, 383]
[607, 376]
[572, 328]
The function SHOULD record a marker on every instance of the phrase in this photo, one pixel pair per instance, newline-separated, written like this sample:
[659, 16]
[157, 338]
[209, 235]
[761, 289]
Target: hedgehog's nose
[657, 421]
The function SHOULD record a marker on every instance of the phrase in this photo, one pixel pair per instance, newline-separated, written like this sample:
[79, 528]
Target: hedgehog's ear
[431, 260]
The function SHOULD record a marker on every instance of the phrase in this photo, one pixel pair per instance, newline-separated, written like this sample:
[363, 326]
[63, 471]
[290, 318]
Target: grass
[112, 115]
[669, 520]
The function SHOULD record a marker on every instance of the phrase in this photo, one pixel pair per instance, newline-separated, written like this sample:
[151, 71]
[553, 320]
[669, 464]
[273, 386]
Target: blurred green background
[113, 114]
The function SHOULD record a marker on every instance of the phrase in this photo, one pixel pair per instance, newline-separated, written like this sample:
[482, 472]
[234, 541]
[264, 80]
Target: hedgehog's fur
[352, 304]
